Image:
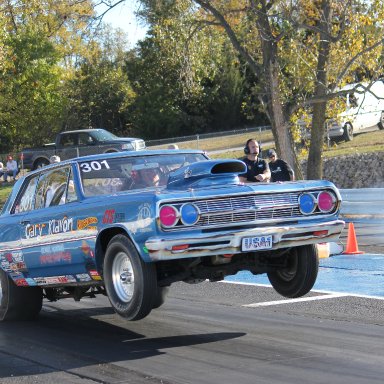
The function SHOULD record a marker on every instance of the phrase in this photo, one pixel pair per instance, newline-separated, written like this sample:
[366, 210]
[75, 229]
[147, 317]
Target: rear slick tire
[18, 303]
[300, 273]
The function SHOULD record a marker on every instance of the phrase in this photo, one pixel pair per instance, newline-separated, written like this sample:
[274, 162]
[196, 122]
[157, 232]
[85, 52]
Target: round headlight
[189, 214]
[326, 201]
[168, 216]
[307, 203]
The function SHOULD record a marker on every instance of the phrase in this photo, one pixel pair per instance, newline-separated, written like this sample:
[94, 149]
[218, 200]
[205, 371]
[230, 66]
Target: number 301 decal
[94, 166]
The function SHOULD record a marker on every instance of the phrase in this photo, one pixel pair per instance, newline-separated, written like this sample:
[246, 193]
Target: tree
[99, 93]
[323, 29]
[39, 41]
[187, 80]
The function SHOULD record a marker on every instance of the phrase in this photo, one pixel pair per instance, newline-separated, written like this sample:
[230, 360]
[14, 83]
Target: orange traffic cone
[352, 247]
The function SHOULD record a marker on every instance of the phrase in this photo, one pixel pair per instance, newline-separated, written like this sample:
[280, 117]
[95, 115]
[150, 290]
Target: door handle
[25, 222]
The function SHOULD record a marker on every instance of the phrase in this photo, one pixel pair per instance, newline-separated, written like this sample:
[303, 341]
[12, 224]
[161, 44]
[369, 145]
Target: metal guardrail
[364, 208]
[362, 204]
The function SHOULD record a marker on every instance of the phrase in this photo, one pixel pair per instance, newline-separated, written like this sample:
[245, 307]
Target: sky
[122, 16]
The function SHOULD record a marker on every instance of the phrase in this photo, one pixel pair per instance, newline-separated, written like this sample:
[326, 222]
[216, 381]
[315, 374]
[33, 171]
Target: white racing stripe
[298, 300]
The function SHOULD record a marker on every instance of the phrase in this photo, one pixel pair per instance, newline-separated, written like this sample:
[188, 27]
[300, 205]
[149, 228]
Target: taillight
[168, 216]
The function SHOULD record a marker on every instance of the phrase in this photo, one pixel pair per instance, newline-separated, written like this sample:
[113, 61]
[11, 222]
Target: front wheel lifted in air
[299, 275]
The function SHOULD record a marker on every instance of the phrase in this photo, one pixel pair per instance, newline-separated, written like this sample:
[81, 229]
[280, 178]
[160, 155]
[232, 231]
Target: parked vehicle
[82, 142]
[364, 111]
[100, 225]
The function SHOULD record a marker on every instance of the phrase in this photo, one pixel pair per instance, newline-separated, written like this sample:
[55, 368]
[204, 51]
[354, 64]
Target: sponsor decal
[18, 267]
[144, 218]
[86, 223]
[109, 216]
[21, 282]
[30, 281]
[94, 274]
[34, 230]
[6, 266]
[85, 247]
[82, 277]
[54, 280]
[48, 249]
[144, 212]
[55, 254]
[15, 275]
[54, 226]
[17, 257]
[70, 279]
[60, 226]
[56, 258]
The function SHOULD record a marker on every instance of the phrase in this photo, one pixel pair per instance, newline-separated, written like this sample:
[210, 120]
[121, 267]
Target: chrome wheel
[123, 277]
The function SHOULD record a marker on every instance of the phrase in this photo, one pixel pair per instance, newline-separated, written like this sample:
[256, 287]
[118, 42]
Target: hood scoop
[206, 173]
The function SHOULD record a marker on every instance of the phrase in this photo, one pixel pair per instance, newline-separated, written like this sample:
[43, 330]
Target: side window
[25, 201]
[67, 140]
[51, 188]
[85, 139]
[71, 191]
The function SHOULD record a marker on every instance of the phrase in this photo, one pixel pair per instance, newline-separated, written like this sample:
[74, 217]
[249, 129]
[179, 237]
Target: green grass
[221, 142]
[5, 190]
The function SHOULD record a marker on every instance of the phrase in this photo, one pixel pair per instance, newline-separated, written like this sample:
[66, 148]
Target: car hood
[206, 173]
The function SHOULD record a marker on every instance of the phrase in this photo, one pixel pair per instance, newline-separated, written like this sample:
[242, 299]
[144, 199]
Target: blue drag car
[128, 225]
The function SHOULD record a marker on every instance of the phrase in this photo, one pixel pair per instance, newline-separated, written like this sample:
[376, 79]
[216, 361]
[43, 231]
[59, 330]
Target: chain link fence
[195, 141]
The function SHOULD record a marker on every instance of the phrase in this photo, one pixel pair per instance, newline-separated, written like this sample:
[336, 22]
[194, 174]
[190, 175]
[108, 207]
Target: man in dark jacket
[280, 169]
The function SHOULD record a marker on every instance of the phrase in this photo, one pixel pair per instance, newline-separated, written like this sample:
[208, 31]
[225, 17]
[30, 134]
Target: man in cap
[280, 169]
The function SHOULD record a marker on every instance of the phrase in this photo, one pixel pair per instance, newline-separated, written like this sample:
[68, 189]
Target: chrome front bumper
[229, 242]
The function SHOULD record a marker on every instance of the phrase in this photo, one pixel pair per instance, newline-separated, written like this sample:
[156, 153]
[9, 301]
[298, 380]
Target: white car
[364, 111]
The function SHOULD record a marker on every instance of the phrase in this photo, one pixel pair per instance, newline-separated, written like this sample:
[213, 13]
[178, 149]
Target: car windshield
[103, 135]
[119, 174]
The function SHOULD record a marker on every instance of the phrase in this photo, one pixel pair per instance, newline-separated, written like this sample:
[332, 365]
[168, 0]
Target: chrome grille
[246, 209]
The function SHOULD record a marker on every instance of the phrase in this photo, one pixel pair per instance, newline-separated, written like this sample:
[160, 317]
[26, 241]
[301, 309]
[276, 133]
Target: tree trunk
[315, 161]
[279, 124]
[271, 80]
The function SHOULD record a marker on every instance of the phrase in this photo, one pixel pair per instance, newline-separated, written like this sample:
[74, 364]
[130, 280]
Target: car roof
[85, 130]
[112, 155]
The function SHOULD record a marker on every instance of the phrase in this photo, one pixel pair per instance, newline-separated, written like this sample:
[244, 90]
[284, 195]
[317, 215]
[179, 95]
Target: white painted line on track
[351, 294]
[298, 300]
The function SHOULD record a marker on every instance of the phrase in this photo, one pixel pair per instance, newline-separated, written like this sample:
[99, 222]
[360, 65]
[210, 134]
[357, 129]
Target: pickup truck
[71, 144]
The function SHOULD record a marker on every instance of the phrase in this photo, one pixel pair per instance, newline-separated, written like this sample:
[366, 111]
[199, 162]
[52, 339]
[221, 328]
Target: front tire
[348, 132]
[129, 281]
[300, 273]
[40, 164]
[18, 303]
